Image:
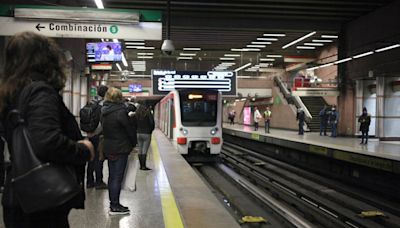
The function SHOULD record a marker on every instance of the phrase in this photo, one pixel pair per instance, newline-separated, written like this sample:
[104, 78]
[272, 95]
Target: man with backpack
[90, 123]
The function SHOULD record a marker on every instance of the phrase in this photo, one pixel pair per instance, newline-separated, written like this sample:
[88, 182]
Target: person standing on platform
[231, 117]
[119, 140]
[333, 121]
[34, 65]
[145, 126]
[365, 121]
[94, 133]
[323, 115]
[300, 117]
[257, 118]
[267, 119]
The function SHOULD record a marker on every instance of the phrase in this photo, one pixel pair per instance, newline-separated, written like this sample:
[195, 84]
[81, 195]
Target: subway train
[192, 119]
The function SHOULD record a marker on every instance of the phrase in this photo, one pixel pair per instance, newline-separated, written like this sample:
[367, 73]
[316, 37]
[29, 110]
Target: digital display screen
[165, 81]
[134, 88]
[104, 52]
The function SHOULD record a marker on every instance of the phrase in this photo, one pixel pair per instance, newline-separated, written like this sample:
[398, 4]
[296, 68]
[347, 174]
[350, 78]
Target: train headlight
[184, 131]
[214, 131]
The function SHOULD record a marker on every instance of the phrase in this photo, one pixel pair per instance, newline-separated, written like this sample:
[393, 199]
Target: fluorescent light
[313, 68]
[363, 54]
[326, 65]
[245, 49]
[275, 34]
[115, 40]
[227, 64]
[263, 43]
[329, 36]
[274, 56]
[145, 53]
[118, 66]
[267, 39]
[242, 67]
[99, 4]
[387, 48]
[265, 64]
[255, 46]
[236, 49]
[266, 59]
[305, 47]
[192, 49]
[140, 47]
[226, 58]
[184, 58]
[124, 60]
[232, 55]
[187, 54]
[144, 57]
[322, 41]
[313, 44]
[135, 43]
[298, 40]
[343, 60]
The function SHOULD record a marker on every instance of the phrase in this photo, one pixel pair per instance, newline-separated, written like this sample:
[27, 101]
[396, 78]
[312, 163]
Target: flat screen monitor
[104, 52]
[135, 88]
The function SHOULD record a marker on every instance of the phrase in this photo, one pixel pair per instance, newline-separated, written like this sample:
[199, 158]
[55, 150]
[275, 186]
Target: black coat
[145, 124]
[119, 132]
[365, 121]
[54, 132]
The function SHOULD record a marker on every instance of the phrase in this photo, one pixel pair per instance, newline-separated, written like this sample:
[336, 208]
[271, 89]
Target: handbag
[37, 185]
[132, 166]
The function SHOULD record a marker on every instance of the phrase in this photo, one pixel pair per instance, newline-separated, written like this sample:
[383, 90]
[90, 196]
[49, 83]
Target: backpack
[90, 116]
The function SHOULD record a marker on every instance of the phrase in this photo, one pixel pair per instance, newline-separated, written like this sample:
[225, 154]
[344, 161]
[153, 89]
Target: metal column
[380, 106]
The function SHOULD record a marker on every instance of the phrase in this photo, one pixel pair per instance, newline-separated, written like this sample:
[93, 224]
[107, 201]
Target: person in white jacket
[257, 118]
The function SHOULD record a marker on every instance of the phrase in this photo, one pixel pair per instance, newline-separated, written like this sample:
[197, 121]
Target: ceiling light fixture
[299, 39]
[266, 59]
[322, 41]
[232, 55]
[343, 60]
[329, 36]
[184, 58]
[140, 47]
[326, 65]
[305, 47]
[258, 42]
[242, 67]
[274, 34]
[145, 53]
[267, 39]
[387, 48]
[274, 56]
[99, 4]
[118, 66]
[363, 54]
[313, 44]
[227, 58]
[115, 40]
[255, 46]
[124, 60]
[135, 43]
[187, 54]
[144, 57]
[192, 49]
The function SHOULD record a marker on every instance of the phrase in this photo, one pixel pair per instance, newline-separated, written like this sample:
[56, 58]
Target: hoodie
[119, 132]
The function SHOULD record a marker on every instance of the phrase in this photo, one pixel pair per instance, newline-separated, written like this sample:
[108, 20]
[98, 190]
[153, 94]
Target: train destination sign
[164, 81]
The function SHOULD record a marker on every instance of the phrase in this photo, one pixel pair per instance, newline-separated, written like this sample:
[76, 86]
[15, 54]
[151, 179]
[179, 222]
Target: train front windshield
[198, 109]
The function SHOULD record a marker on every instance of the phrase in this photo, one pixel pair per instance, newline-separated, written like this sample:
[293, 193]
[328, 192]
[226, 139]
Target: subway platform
[172, 195]
[381, 155]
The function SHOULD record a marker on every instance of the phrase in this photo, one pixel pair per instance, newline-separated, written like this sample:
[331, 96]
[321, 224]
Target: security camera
[167, 47]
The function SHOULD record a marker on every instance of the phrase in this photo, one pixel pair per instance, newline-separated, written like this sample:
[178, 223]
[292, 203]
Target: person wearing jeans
[119, 140]
[145, 126]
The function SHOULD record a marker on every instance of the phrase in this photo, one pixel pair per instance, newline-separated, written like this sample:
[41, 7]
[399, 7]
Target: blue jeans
[301, 127]
[364, 135]
[143, 142]
[95, 166]
[322, 128]
[334, 130]
[117, 170]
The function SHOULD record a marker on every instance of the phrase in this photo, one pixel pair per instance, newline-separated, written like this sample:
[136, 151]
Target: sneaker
[118, 210]
[102, 185]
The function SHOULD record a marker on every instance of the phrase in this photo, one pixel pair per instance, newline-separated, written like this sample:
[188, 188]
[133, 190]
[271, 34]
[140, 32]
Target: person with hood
[300, 117]
[365, 121]
[34, 65]
[145, 126]
[119, 140]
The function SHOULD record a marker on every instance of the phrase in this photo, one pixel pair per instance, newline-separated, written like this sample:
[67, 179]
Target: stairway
[314, 106]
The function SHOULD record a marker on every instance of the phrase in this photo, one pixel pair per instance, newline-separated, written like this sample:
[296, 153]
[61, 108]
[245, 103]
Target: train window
[199, 111]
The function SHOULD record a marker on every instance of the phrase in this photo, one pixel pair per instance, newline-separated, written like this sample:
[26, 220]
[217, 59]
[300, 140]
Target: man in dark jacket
[119, 140]
[323, 115]
[301, 116]
[365, 121]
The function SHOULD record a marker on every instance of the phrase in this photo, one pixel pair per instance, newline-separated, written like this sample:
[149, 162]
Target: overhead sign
[73, 29]
[164, 81]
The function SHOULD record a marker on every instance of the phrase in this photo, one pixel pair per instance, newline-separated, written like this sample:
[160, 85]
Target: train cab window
[198, 109]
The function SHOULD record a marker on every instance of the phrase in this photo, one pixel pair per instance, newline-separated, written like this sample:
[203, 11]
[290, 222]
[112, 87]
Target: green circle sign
[113, 29]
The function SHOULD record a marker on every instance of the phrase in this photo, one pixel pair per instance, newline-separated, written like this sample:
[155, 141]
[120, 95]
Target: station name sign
[167, 80]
